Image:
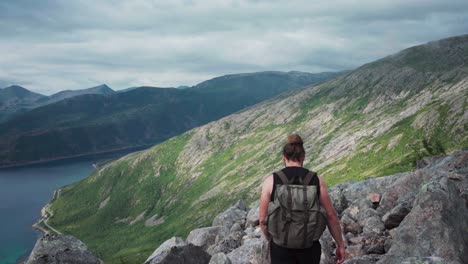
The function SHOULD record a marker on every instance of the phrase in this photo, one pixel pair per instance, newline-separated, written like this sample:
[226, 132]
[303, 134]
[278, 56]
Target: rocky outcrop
[207, 236]
[177, 251]
[232, 215]
[421, 217]
[57, 249]
[414, 217]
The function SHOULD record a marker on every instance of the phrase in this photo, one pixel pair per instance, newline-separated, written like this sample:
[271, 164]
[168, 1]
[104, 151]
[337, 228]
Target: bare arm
[267, 188]
[332, 221]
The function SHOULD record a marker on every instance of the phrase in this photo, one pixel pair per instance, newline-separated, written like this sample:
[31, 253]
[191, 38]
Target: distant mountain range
[15, 99]
[73, 123]
[376, 120]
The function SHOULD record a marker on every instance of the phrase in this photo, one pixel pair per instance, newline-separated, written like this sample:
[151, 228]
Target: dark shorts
[282, 255]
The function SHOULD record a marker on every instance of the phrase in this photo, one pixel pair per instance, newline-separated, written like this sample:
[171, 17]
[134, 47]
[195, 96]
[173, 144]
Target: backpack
[295, 217]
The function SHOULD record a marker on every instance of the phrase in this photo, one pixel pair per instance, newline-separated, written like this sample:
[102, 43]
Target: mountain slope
[376, 120]
[91, 123]
[15, 98]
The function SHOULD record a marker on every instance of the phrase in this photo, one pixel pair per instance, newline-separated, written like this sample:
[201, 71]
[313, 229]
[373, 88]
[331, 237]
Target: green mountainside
[376, 120]
[93, 123]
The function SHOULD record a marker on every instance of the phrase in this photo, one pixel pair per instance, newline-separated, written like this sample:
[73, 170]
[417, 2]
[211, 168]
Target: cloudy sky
[48, 46]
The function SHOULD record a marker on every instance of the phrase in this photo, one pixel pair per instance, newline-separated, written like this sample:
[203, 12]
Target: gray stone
[372, 225]
[227, 244]
[253, 216]
[207, 236]
[354, 251]
[182, 254]
[252, 250]
[237, 227]
[393, 218]
[349, 225]
[328, 246]
[220, 258]
[241, 205]
[56, 249]
[363, 259]
[427, 260]
[374, 244]
[232, 215]
[436, 226]
[165, 247]
[338, 199]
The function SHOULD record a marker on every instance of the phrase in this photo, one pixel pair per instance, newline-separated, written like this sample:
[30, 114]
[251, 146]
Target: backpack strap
[285, 181]
[282, 177]
[309, 177]
[307, 180]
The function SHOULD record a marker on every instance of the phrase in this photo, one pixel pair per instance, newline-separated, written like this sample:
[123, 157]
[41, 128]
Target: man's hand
[340, 254]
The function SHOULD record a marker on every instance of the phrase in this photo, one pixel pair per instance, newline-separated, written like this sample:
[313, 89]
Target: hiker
[295, 208]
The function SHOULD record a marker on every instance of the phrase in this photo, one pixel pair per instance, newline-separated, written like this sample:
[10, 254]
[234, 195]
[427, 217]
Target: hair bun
[295, 139]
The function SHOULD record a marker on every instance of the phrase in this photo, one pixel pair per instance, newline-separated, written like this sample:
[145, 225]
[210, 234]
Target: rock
[241, 205]
[338, 199]
[165, 247]
[407, 183]
[249, 231]
[252, 250]
[227, 244]
[354, 251]
[328, 246]
[363, 259]
[220, 258]
[231, 215]
[356, 193]
[372, 224]
[356, 240]
[455, 176]
[182, 254]
[426, 260]
[237, 227]
[207, 236]
[393, 218]
[374, 197]
[253, 216]
[349, 225]
[374, 244]
[57, 249]
[435, 227]
[388, 244]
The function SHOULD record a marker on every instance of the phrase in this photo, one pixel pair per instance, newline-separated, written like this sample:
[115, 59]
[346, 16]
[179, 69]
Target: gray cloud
[54, 45]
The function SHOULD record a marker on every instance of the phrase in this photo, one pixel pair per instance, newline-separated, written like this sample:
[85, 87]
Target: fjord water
[25, 190]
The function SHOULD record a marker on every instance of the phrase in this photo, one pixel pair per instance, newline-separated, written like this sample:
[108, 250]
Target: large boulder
[165, 247]
[220, 258]
[177, 251]
[253, 216]
[253, 250]
[56, 249]
[207, 236]
[233, 214]
[393, 218]
[437, 226]
[227, 244]
[187, 254]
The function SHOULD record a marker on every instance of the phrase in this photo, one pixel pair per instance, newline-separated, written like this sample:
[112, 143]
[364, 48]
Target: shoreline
[41, 224]
[86, 155]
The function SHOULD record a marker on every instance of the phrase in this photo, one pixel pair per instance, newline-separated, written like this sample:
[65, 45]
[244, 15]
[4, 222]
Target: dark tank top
[295, 175]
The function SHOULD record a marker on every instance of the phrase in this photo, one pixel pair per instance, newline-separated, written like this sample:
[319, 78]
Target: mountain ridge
[132, 118]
